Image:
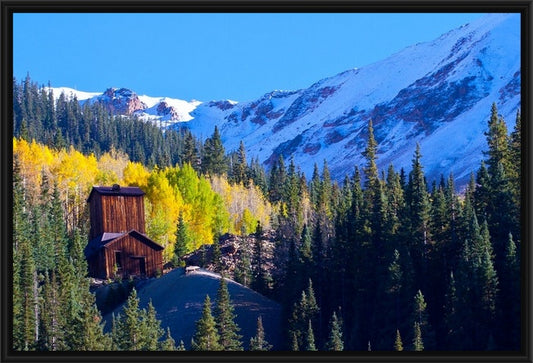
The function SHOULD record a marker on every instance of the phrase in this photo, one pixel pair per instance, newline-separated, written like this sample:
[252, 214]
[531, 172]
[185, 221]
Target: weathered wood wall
[130, 248]
[116, 214]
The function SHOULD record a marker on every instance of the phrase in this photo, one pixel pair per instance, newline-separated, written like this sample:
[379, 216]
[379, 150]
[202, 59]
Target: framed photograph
[266, 181]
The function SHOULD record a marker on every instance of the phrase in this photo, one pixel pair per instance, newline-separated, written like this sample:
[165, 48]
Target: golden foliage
[246, 206]
[209, 207]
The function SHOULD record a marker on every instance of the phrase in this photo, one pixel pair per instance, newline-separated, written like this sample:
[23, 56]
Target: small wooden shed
[118, 245]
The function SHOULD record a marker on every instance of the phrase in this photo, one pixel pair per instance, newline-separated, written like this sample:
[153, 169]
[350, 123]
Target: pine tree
[182, 241]
[294, 342]
[418, 344]
[314, 186]
[310, 338]
[398, 345]
[276, 179]
[419, 201]
[502, 213]
[214, 159]
[515, 156]
[136, 329]
[292, 279]
[240, 167]
[169, 344]
[51, 332]
[56, 224]
[421, 318]
[258, 342]
[304, 310]
[127, 328]
[487, 272]
[243, 269]
[225, 320]
[420, 308]
[497, 140]
[371, 169]
[335, 341]
[26, 314]
[297, 320]
[395, 291]
[190, 152]
[206, 336]
[24, 269]
[258, 175]
[151, 328]
[395, 201]
[83, 313]
[325, 193]
[476, 283]
[42, 226]
[509, 310]
[94, 338]
[261, 278]
[482, 192]
[292, 196]
[418, 206]
[70, 302]
[305, 251]
[453, 325]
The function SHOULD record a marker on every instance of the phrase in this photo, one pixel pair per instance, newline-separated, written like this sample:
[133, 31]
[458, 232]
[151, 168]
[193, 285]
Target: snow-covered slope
[438, 94]
[71, 93]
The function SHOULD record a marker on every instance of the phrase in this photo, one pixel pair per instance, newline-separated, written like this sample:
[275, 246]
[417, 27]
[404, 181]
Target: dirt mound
[178, 299]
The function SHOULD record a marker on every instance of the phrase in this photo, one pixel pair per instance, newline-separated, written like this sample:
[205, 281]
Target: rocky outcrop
[167, 111]
[232, 248]
[121, 101]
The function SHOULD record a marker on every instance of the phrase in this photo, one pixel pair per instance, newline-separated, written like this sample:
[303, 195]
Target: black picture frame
[8, 8]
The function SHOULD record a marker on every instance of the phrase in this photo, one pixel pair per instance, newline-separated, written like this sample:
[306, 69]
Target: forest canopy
[385, 260]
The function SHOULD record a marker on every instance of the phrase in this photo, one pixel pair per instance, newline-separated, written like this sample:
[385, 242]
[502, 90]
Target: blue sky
[210, 56]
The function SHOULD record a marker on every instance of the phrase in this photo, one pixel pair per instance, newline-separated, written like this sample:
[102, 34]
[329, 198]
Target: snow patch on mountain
[71, 93]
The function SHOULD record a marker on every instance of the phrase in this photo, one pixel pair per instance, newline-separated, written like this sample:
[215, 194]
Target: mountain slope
[438, 94]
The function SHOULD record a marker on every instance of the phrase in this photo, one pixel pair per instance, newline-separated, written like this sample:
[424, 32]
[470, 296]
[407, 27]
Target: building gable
[137, 236]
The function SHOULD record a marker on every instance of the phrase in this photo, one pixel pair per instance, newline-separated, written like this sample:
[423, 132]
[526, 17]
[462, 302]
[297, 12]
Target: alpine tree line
[384, 261]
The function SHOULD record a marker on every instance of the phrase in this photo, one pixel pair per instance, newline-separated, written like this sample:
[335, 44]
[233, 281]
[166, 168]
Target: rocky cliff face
[165, 110]
[121, 101]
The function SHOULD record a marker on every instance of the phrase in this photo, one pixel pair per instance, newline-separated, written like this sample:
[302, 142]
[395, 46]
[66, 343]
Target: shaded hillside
[178, 300]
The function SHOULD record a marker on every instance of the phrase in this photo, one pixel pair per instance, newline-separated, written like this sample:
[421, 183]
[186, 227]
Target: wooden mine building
[118, 245]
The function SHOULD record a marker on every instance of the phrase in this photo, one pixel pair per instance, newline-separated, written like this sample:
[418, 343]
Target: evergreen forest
[384, 261]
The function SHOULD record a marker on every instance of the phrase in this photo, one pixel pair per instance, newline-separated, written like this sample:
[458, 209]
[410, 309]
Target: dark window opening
[142, 266]
[118, 259]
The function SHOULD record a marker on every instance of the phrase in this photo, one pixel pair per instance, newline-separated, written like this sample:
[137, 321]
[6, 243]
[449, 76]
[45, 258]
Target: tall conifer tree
[258, 342]
[206, 336]
[225, 319]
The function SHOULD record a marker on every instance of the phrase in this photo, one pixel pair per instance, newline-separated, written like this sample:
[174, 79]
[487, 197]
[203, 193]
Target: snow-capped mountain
[123, 101]
[438, 94]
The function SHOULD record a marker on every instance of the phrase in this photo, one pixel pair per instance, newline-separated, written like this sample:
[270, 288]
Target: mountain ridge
[438, 94]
